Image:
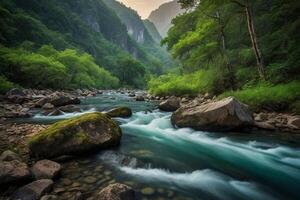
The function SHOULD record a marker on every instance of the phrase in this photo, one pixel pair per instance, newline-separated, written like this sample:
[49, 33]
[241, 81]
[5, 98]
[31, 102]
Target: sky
[144, 7]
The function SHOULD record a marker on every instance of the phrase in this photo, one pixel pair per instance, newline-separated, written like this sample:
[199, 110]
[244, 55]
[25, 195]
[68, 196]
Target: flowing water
[162, 162]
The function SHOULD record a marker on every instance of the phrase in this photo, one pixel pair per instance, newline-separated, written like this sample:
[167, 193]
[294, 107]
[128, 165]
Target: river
[162, 162]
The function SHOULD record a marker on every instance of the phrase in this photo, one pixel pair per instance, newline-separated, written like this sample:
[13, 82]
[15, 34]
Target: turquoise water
[188, 164]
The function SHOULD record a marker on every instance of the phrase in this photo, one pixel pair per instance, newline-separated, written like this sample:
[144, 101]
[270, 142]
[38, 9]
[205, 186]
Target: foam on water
[208, 181]
[63, 115]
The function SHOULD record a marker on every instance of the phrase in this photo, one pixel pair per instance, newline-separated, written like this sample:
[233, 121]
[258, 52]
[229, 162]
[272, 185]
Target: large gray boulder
[34, 190]
[89, 132]
[13, 171]
[224, 115]
[170, 105]
[116, 191]
[45, 169]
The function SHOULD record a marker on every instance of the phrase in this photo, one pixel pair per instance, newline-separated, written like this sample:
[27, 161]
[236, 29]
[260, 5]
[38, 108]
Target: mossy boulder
[89, 132]
[120, 112]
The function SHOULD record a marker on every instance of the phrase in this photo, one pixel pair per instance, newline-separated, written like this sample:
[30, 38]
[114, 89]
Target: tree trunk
[255, 46]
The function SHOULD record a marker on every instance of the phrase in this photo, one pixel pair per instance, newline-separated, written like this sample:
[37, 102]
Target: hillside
[88, 26]
[162, 17]
[152, 31]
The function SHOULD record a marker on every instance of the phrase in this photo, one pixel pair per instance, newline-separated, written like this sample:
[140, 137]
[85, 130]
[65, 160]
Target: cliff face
[162, 17]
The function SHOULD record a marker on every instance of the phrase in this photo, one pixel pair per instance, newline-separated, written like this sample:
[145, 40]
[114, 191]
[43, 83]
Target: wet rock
[116, 191]
[9, 156]
[147, 191]
[224, 115]
[70, 108]
[139, 98]
[16, 99]
[34, 190]
[48, 106]
[45, 169]
[120, 112]
[12, 171]
[170, 104]
[75, 136]
[90, 179]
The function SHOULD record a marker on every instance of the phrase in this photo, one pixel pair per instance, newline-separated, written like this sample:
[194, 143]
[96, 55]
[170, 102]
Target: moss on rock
[120, 112]
[75, 136]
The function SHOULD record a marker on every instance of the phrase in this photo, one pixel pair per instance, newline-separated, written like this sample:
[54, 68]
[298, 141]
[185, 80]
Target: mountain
[145, 34]
[162, 17]
[152, 31]
[88, 26]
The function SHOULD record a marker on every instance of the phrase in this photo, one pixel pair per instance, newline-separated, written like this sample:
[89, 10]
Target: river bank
[138, 158]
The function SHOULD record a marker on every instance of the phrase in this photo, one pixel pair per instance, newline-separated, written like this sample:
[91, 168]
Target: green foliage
[49, 68]
[5, 85]
[267, 96]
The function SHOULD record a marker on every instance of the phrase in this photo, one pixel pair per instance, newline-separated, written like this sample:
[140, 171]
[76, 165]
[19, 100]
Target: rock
[264, 125]
[131, 95]
[139, 98]
[47, 106]
[116, 191]
[57, 100]
[147, 191]
[9, 156]
[34, 190]
[49, 197]
[120, 112]
[93, 131]
[170, 104]
[69, 108]
[90, 179]
[294, 121]
[12, 171]
[224, 115]
[15, 91]
[45, 169]
[16, 99]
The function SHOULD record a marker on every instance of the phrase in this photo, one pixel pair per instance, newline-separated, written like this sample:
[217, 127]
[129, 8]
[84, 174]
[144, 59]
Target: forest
[248, 49]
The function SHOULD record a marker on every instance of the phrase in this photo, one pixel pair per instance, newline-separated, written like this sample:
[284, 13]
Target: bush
[267, 96]
[5, 85]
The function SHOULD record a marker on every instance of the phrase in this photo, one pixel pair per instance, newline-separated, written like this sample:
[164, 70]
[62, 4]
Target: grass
[279, 97]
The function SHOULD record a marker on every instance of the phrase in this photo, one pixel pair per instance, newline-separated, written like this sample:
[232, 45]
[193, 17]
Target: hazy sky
[144, 7]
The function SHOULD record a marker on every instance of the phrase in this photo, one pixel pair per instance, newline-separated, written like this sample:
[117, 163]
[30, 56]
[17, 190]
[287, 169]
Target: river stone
[9, 156]
[116, 191]
[88, 132]
[49, 197]
[34, 190]
[147, 191]
[12, 171]
[170, 104]
[120, 112]
[45, 169]
[90, 179]
[140, 98]
[223, 115]
[48, 106]
[15, 91]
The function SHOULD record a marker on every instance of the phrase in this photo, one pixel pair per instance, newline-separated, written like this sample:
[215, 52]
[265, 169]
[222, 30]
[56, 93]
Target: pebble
[90, 179]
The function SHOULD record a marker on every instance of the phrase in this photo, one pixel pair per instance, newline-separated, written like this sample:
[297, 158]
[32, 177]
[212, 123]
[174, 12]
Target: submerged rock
[116, 191]
[224, 115]
[45, 169]
[140, 98]
[120, 112]
[12, 171]
[34, 190]
[170, 104]
[78, 135]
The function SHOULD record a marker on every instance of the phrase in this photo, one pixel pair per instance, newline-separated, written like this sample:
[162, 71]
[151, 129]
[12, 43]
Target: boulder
[12, 171]
[69, 108]
[34, 190]
[170, 104]
[45, 169]
[77, 135]
[224, 115]
[15, 91]
[139, 98]
[116, 191]
[9, 156]
[57, 100]
[294, 122]
[48, 106]
[120, 112]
